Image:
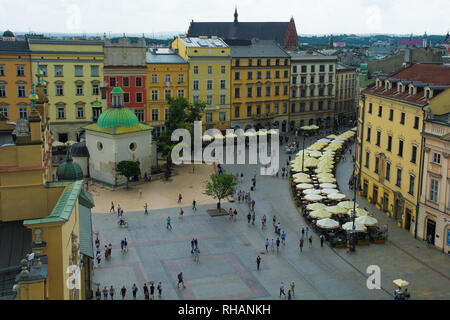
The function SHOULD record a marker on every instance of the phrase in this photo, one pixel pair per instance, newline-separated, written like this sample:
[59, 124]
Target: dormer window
[428, 94]
[400, 87]
[411, 90]
[379, 83]
[387, 85]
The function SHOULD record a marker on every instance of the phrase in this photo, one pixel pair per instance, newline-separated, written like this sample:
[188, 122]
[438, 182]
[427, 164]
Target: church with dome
[117, 136]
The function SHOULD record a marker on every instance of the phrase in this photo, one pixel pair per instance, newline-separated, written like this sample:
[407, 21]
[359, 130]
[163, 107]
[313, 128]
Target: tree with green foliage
[128, 169]
[220, 186]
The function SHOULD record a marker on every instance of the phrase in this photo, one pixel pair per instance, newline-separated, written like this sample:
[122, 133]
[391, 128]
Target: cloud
[373, 21]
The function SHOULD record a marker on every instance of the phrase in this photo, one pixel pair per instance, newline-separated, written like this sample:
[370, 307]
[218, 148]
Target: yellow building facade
[167, 75]
[347, 84]
[260, 72]
[390, 148]
[209, 77]
[73, 70]
[15, 77]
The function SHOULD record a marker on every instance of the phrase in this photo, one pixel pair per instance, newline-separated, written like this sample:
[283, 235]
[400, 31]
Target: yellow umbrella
[323, 170]
[327, 223]
[337, 196]
[359, 212]
[401, 283]
[331, 136]
[320, 214]
[313, 197]
[367, 221]
[315, 154]
[358, 227]
[347, 204]
[315, 206]
[336, 210]
[311, 191]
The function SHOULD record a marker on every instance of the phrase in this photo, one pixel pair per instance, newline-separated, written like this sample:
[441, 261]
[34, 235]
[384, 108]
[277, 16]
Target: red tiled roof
[418, 98]
[427, 73]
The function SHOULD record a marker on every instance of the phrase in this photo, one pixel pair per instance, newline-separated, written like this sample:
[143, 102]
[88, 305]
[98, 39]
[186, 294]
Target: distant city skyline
[148, 16]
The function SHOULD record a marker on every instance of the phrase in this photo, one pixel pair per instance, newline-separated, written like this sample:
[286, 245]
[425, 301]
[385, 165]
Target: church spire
[235, 15]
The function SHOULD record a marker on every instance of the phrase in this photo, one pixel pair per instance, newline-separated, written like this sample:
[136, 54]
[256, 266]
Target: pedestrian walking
[98, 294]
[283, 237]
[263, 221]
[118, 209]
[272, 245]
[253, 218]
[197, 255]
[146, 293]
[274, 220]
[134, 290]
[122, 244]
[266, 244]
[123, 292]
[111, 292]
[242, 177]
[105, 293]
[109, 249]
[194, 205]
[303, 232]
[258, 262]
[235, 214]
[180, 280]
[249, 217]
[180, 197]
[152, 289]
[140, 193]
[168, 225]
[293, 288]
[112, 208]
[160, 288]
[310, 241]
[322, 238]
[301, 244]
[106, 252]
[146, 208]
[181, 212]
[282, 289]
[192, 245]
[196, 243]
[306, 232]
[278, 244]
[125, 245]
[230, 213]
[99, 257]
[253, 204]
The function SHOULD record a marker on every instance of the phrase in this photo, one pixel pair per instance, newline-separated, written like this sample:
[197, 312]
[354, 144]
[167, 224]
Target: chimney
[407, 58]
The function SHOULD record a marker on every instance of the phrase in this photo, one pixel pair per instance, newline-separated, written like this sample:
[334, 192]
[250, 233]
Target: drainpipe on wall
[421, 166]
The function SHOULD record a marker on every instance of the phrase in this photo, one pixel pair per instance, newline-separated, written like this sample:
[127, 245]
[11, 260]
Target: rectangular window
[140, 114]
[80, 112]
[168, 79]
[94, 71]
[292, 107]
[155, 114]
[209, 84]
[275, 108]
[2, 91]
[237, 76]
[61, 113]
[154, 95]
[154, 78]
[268, 74]
[249, 92]
[222, 99]
[222, 116]
[388, 171]
[237, 112]
[59, 90]
[181, 78]
[126, 97]
[167, 94]
[196, 99]
[196, 84]
[209, 69]
[313, 68]
[284, 107]
[237, 92]
[166, 114]
[412, 180]
[370, 108]
[79, 90]
[286, 74]
[368, 134]
[285, 90]
[258, 91]
[20, 69]
[138, 97]
[267, 91]
[294, 69]
[250, 62]
[138, 82]
[181, 92]
[126, 82]
[4, 112]
[367, 160]
[268, 62]
[398, 183]
[378, 138]
[43, 69]
[416, 122]
[249, 75]
[277, 74]
[414, 154]
[58, 71]
[320, 105]
[302, 107]
[377, 164]
[321, 68]
[267, 108]
[330, 68]
[436, 158]
[258, 109]
[258, 75]
[389, 145]
[222, 69]
[21, 92]
[23, 113]
[400, 148]
[78, 71]
[277, 91]
[237, 62]
[2, 70]
[380, 111]
[208, 117]
[391, 115]
[294, 80]
[249, 111]
[195, 69]
[434, 190]
[304, 69]
[112, 82]
[209, 100]
[258, 62]
[402, 118]
[223, 84]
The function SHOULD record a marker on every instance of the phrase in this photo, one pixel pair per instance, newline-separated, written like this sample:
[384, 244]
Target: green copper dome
[113, 117]
[69, 170]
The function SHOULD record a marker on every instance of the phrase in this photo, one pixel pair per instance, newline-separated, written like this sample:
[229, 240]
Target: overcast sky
[153, 16]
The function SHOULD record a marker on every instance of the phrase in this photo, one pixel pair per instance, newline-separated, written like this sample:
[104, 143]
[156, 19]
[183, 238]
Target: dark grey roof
[163, 58]
[86, 246]
[15, 243]
[14, 46]
[79, 149]
[242, 30]
[8, 33]
[258, 48]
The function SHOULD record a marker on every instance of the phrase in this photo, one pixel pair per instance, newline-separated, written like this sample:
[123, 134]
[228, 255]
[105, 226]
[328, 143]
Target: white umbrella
[328, 186]
[329, 191]
[367, 221]
[327, 223]
[320, 214]
[336, 210]
[305, 186]
[359, 212]
[311, 191]
[315, 206]
[347, 204]
[400, 283]
[325, 140]
[358, 227]
[327, 180]
[337, 196]
[313, 197]
[338, 141]
[207, 137]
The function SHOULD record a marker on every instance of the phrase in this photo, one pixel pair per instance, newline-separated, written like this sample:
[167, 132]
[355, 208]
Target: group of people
[148, 291]
[305, 233]
[195, 250]
[108, 251]
[291, 290]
